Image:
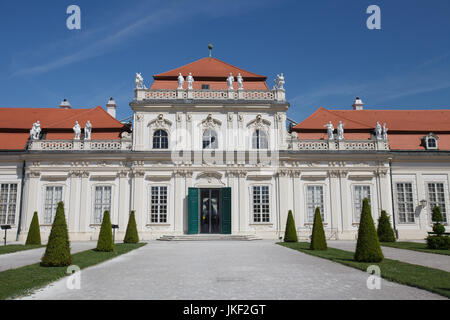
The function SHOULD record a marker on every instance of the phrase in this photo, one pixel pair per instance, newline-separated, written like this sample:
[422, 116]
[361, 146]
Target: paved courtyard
[224, 270]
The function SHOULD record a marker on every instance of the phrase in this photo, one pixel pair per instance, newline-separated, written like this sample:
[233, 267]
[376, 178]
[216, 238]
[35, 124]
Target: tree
[384, 231]
[57, 253]
[34, 234]
[131, 235]
[368, 246]
[105, 238]
[290, 234]
[318, 241]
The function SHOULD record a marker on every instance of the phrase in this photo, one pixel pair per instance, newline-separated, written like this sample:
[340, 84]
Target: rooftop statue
[35, 131]
[240, 82]
[139, 81]
[378, 132]
[279, 82]
[87, 130]
[384, 132]
[180, 81]
[190, 81]
[230, 81]
[77, 131]
[340, 131]
[330, 130]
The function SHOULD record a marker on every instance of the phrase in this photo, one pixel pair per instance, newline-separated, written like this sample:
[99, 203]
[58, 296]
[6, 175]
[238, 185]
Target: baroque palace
[208, 152]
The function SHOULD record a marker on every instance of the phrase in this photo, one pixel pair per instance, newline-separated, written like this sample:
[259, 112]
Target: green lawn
[416, 246]
[10, 248]
[433, 280]
[21, 281]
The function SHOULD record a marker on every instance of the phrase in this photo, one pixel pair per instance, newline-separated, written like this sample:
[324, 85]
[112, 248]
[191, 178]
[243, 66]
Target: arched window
[210, 139]
[432, 143]
[160, 139]
[259, 139]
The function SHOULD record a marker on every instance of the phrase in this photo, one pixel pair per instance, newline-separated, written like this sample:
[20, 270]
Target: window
[259, 139]
[360, 192]
[261, 204]
[431, 141]
[209, 139]
[314, 199]
[160, 139]
[432, 144]
[53, 195]
[102, 202]
[405, 202]
[436, 197]
[205, 86]
[8, 198]
[158, 208]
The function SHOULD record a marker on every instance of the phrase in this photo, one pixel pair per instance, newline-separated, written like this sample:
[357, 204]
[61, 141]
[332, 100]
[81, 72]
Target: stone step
[209, 237]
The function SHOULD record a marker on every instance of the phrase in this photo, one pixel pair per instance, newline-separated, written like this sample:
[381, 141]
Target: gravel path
[224, 270]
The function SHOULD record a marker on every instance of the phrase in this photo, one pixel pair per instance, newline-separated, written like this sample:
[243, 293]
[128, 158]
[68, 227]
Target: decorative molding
[210, 122]
[259, 122]
[160, 123]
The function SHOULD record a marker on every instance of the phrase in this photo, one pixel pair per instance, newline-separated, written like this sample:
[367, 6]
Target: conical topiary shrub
[131, 236]
[290, 234]
[318, 241]
[105, 238]
[34, 234]
[368, 246]
[57, 253]
[384, 231]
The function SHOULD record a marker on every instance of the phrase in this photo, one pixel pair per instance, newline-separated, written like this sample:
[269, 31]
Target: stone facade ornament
[240, 82]
[180, 81]
[139, 81]
[230, 81]
[87, 130]
[160, 122]
[210, 122]
[378, 133]
[35, 131]
[77, 131]
[330, 130]
[340, 131]
[190, 81]
[384, 131]
[279, 82]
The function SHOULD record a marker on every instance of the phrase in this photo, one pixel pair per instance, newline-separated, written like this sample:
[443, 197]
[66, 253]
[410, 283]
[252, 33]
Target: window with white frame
[102, 202]
[8, 199]
[53, 195]
[314, 199]
[160, 139]
[261, 204]
[210, 139]
[405, 202]
[436, 197]
[158, 205]
[259, 139]
[359, 193]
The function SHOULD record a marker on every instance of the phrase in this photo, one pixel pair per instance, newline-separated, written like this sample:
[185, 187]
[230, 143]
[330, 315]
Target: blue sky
[323, 47]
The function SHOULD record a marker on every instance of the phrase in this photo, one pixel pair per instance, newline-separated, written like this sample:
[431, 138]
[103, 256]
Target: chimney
[358, 104]
[111, 107]
[65, 104]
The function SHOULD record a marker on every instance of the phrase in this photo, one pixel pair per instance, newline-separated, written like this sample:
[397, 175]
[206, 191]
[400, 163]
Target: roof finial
[210, 47]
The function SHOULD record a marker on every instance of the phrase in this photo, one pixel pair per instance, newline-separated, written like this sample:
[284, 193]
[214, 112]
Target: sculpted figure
[240, 82]
[35, 131]
[330, 130]
[230, 81]
[385, 130]
[340, 131]
[279, 82]
[378, 131]
[190, 81]
[180, 81]
[139, 81]
[77, 131]
[87, 130]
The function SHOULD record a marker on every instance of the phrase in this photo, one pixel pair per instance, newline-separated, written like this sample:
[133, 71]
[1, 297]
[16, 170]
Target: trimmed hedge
[290, 234]
[131, 236]
[57, 253]
[368, 246]
[385, 231]
[34, 234]
[438, 242]
[318, 241]
[105, 238]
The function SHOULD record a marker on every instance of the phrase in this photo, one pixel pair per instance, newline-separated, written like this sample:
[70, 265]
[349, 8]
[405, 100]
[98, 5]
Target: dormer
[431, 141]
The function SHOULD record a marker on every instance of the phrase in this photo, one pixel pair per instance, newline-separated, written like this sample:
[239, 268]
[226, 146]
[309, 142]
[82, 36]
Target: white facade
[299, 175]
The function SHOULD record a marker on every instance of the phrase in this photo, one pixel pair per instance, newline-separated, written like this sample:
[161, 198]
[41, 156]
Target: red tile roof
[57, 123]
[406, 128]
[210, 71]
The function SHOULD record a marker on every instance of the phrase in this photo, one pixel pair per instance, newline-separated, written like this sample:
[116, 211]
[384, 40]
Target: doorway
[210, 211]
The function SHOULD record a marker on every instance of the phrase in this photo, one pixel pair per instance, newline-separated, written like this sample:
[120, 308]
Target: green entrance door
[209, 210]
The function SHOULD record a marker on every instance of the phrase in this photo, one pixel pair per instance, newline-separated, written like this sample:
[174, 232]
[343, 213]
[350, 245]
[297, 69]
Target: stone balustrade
[75, 145]
[325, 145]
[251, 95]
